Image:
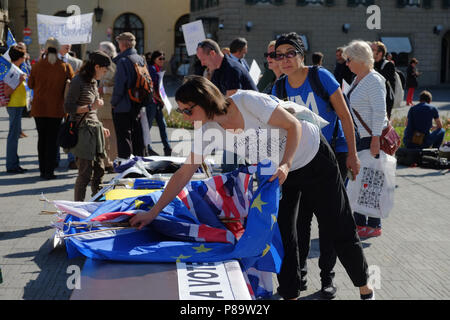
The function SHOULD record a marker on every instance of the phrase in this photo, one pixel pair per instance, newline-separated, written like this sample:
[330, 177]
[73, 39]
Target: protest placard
[193, 33]
[67, 30]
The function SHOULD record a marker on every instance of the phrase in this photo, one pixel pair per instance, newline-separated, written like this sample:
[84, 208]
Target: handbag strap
[362, 121]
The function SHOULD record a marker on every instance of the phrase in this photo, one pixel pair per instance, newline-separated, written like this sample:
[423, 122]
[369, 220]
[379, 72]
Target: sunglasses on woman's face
[288, 55]
[271, 55]
[162, 58]
[187, 111]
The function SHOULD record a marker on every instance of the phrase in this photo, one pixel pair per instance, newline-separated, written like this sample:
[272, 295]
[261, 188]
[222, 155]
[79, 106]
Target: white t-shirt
[252, 144]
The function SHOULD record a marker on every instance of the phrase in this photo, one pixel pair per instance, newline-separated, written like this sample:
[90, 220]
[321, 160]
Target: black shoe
[328, 291]
[152, 152]
[48, 176]
[167, 152]
[17, 170]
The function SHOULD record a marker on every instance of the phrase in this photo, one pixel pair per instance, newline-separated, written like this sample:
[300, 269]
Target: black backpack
[317, 87]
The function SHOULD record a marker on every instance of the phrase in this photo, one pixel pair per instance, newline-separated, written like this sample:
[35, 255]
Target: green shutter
[351, 3]
[445, 4]
[370, 2]
[302, 3]
[329, 3]
[278, 2]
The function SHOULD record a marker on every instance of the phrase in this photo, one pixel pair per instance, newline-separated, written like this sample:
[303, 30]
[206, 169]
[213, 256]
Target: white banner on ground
[255, 72]
[193, 33]
[68, 30]
[162, 93]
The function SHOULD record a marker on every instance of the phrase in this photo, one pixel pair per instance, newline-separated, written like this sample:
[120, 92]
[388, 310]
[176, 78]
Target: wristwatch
[90, 107]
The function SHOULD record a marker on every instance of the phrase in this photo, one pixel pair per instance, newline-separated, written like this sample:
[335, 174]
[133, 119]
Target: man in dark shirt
[419, 123]
[227, 74]
[341, 70]
[387, 70]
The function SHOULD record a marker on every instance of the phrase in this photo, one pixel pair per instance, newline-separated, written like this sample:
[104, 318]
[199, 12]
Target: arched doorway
[180, 53]
[76, 48]
[445, 58]
[129, 22]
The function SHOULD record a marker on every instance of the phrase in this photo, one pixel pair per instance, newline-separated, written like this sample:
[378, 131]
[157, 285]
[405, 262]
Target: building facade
[155, 23]
[409, 28]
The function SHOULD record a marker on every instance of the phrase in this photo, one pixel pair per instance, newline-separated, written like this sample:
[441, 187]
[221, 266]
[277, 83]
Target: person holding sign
[16, 106]
[154, 109]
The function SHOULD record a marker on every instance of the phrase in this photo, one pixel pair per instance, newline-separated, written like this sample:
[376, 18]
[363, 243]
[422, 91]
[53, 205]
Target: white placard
[162, 93]
[211, 281]
[193, 33]
[255, 72]
[12, 78]
[68, 30]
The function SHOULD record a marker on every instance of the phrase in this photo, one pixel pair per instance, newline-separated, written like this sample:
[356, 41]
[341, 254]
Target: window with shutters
[327, 3]
[274, 2]
[355, 3]
[129, 22]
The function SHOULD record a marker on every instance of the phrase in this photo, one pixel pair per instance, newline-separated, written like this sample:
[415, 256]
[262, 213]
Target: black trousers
[320, 186]
[327, 258]
[129, 134]
[47, 129]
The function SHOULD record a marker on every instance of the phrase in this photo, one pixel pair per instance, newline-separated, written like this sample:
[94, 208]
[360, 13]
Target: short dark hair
[209, 45]
[237, 44]
[425, 96]
[16, 52]
[317, 57]
[414, 60]
[204, 93]
[156, 54]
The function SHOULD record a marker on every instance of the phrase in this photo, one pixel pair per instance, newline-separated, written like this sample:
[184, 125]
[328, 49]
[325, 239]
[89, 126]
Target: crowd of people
[314, 163]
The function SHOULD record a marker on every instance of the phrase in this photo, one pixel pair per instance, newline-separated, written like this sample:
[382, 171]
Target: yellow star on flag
[181, 257]
[138, 203]
[201, 249]
[266, 250]
[274, 220]
[258, 203]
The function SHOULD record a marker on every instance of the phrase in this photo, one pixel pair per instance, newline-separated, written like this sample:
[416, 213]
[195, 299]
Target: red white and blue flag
[211, 220]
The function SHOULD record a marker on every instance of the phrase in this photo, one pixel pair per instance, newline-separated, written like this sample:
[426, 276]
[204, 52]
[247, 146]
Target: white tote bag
[372, 192]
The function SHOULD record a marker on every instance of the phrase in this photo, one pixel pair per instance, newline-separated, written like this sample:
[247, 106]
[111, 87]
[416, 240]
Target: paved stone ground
[412, 255]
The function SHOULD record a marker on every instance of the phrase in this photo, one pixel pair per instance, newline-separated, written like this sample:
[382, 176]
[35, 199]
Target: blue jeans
[155, 111]
[12, 143]
[433, 140]
[360, 219]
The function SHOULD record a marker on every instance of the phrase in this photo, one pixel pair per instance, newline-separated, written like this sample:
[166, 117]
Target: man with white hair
[125, 111]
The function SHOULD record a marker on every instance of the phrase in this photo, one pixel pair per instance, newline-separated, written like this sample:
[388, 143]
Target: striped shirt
[369, 99]
[81, 93]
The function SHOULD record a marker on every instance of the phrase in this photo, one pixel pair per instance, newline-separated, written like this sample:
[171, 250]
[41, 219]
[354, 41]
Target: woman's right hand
[140, 220]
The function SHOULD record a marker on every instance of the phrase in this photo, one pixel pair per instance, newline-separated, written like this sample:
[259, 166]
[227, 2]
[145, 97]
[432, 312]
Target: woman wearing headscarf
[48, 80]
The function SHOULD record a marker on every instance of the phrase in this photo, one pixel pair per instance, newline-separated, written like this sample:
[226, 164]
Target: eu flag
[10, 41]
[5, 66]
[215, 219]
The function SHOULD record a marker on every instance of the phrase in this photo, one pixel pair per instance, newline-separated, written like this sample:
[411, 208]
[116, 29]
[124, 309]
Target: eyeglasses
[289, 54]
[187, 111]
[348, 60]
[271, 55]
[162, 58]
[204, 44]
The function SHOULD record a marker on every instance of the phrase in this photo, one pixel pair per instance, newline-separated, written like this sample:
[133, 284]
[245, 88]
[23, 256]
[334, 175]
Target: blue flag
[215, 219]
[10, 41]
[5, 66]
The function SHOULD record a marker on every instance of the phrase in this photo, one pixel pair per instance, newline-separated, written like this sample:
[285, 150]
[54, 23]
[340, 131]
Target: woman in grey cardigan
[82, 103]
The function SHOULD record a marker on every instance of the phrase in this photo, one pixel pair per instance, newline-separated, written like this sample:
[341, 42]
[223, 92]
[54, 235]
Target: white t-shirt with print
[259, 140]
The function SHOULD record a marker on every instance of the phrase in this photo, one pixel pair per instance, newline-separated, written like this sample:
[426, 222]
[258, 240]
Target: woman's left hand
[281, 173]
